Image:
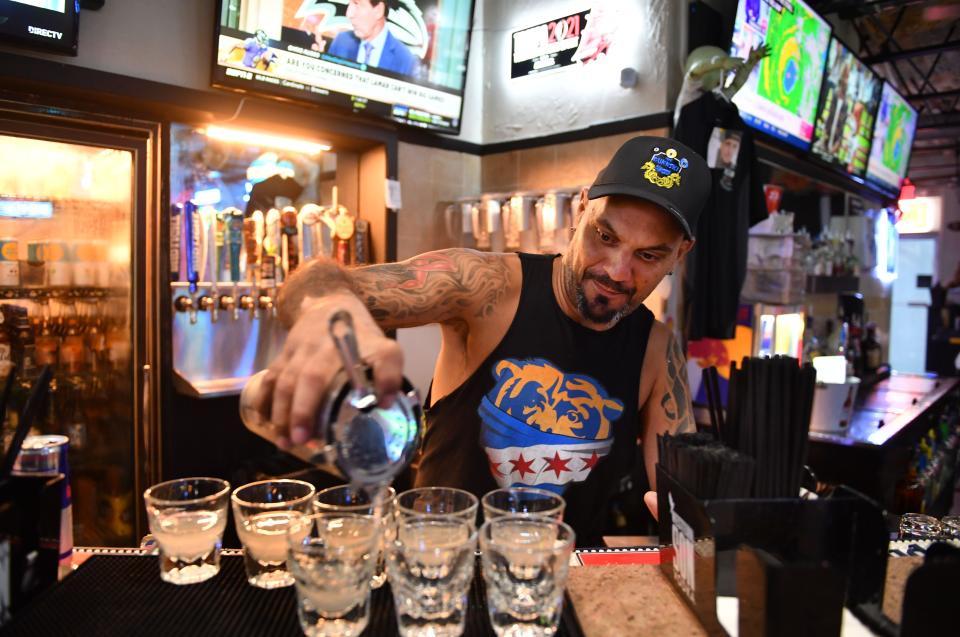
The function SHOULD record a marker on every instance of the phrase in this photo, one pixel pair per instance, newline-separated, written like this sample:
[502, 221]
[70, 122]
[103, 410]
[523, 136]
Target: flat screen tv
[403, 60]
[48, 25]
[848, 107]
[892, 140]
[780, 98]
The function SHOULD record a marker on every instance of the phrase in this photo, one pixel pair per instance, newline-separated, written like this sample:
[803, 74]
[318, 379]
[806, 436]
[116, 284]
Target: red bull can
[47, 456]
[9, 263]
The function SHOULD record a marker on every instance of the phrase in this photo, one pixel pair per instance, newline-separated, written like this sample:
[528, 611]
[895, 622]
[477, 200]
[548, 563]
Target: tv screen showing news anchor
[400, 59]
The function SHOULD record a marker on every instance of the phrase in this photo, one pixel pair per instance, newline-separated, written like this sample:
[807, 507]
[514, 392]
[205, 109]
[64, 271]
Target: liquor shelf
[60, 293]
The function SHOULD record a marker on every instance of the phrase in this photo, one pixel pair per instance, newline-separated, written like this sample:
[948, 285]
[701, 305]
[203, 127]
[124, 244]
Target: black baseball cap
[662, 171]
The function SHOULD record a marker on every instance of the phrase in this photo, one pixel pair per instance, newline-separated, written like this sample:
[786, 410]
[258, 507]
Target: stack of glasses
[339, 544]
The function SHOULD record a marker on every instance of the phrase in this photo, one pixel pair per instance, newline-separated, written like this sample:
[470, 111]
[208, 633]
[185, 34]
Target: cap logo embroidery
[663, 169]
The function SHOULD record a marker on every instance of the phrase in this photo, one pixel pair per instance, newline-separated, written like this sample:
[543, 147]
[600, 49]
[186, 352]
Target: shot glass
[917, 526]
[347, 499]
[331, 557]
[263, 512]
[187, 518]
[522, 501]
[950, 527]
[525, 563]
[439, 501]
[431, 565]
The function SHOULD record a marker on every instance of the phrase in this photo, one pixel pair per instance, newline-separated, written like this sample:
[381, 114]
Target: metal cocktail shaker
[353, 437]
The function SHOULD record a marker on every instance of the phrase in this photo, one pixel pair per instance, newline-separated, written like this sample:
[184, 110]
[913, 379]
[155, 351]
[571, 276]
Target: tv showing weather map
[892, 139]
[780, 98]
[404, 60]
[848, 106]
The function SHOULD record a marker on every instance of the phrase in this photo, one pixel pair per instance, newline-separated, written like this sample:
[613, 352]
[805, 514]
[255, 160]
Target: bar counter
[890, 419]
[612, 591]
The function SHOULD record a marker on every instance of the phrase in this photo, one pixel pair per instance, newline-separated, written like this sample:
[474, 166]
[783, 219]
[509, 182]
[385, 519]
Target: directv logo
[46, 33]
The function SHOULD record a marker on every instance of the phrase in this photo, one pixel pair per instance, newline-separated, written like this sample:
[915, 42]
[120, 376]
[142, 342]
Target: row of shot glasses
[338, 544]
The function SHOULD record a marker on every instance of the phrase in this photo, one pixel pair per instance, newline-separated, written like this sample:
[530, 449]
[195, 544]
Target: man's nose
[618, 267]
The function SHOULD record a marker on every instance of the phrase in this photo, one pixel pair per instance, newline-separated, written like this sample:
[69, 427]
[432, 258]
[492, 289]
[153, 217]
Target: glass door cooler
[76, 258]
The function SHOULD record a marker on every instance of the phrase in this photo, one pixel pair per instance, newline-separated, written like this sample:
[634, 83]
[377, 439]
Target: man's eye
[649, 257]
[604, 237]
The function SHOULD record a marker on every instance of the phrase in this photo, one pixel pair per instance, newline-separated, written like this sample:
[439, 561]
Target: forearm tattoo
[435, 287]
[676, 399]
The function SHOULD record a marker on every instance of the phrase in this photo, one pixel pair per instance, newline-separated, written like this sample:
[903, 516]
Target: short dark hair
[391, 4]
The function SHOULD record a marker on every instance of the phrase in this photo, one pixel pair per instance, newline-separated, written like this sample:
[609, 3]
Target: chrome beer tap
[233, 240]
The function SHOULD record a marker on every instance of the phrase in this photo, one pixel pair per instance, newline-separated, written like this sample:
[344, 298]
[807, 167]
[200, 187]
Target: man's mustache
[609, 283]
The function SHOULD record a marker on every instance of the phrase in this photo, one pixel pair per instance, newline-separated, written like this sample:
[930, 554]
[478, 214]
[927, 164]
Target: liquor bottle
[96, 341]
[24, 344]
[871, 351]
[6, 351]
[118, 346]
[71, 350]
[47, 344]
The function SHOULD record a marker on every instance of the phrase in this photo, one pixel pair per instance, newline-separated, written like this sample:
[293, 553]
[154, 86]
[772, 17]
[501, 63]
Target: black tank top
[553, 406]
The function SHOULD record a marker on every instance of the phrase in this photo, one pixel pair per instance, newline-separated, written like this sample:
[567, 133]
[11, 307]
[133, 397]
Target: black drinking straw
[38, 392]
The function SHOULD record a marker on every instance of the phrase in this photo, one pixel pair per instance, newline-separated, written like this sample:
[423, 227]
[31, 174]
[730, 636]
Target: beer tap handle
[253, 240]
[271, 232]
[234, 242]
[310, 242]
[176, 239]
[290, 245]
[215, 248]
[194, 249]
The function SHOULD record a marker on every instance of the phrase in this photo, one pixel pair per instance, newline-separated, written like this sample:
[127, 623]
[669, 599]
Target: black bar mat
[124, 595]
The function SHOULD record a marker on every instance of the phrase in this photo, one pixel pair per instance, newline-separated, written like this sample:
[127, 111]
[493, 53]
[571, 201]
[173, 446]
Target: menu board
[892, 139]
[848, 106]
[780, 98]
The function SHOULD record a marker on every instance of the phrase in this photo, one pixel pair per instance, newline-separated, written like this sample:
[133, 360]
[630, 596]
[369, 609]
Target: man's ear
[581, 206]
[685, 247]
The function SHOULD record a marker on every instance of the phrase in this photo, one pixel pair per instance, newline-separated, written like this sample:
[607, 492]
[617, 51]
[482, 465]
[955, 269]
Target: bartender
[550, 368]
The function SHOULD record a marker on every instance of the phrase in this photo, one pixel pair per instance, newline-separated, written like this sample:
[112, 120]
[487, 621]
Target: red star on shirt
[521, 465]
[557, 464]
[495, 467]
[590, 462]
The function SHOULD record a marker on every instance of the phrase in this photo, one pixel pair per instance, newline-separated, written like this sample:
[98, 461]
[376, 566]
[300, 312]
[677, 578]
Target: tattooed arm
[455, 287]
[435, 287]
[668, 403]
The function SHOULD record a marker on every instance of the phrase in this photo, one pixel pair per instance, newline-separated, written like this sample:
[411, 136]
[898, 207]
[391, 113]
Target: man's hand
[299, 379]
[453, 286]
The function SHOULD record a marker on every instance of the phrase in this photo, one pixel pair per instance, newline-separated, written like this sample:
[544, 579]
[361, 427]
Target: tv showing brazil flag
[892, 139]
[780, 98]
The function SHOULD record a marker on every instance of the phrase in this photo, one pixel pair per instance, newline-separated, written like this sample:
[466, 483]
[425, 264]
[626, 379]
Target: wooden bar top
[630, 599]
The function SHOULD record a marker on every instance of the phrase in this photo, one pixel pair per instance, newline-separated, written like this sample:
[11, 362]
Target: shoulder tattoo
[676, 402]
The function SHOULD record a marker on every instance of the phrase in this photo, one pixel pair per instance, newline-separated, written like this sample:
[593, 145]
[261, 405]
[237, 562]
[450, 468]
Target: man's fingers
[263, 400]
[283, 392]
[387, 366]
[650, 499]
[312, 386]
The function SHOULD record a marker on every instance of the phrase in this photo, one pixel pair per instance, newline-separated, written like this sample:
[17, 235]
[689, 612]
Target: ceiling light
[265, 139]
